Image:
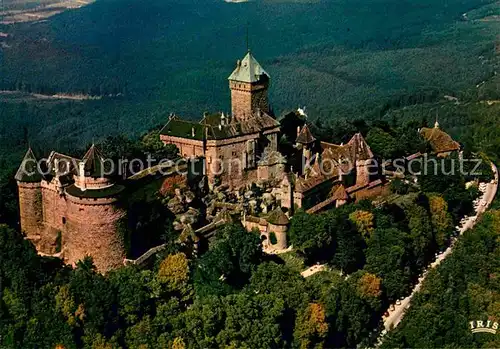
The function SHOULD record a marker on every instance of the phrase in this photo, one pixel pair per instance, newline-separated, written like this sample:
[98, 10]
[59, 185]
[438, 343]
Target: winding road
[397, 314]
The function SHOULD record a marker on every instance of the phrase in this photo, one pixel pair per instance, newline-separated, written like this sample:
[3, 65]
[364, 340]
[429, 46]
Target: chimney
[56, 167]
[192, 132]
[81, 168]
[57, 174]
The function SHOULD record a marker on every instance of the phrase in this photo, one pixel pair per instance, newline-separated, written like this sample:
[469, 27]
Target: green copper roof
[248, 70]
[210, 128]
[28, 171]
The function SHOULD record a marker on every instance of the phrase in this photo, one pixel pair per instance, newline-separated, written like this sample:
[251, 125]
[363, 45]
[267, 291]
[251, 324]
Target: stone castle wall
[246, 97]
[188, 148]
[363, 168]
[91, 229]
[280, 233]
[31, 210]
[374, 189]
[84, 226]
[265, 229]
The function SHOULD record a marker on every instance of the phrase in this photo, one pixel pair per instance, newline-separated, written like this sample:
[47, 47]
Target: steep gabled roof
[340, 193]
[360, 148]
[177, 127]
[439, 140]
[305, 136]
[210, 127]
[355, 149]
[248, 70]
[28, 170]
[66, 165]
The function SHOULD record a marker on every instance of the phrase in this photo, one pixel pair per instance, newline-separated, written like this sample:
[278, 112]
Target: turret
[278, 224]
[363, 159]
[28, 179]
[93, 173]
[93, 215]
[305, 140]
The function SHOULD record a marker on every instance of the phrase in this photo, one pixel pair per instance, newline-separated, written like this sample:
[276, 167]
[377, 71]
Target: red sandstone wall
[54, 218]
[91, 230]
[30, 209]
[231, 154]
[372, 192]
[363, 172]
[246, 98]
[187, 147]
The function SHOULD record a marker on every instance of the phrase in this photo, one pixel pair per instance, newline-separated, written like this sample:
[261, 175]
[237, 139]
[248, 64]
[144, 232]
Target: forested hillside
[464, 288]
[234, 295]
[382, 68]
[342, 59]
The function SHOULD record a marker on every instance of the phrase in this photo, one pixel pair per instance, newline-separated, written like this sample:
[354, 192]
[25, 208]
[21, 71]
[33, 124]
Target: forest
[464, 288]
[356, 59]
[356, 71]
[234, 295]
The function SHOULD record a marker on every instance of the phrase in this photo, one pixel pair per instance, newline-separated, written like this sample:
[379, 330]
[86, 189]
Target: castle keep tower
[237, 148]
[248, 83]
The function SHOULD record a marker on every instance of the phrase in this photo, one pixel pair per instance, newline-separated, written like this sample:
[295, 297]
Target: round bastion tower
[278, 224]
[30, 197]
[92, 215]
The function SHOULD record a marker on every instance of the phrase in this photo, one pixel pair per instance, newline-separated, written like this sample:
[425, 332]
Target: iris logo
[483, 326]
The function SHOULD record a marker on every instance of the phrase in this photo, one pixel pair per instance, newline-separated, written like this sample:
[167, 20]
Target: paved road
[313, 270]
[396, 315]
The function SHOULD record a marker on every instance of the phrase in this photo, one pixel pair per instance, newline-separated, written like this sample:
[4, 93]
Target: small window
[64, 220]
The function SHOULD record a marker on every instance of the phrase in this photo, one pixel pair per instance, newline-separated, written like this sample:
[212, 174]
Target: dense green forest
[462, 289]
[342, 59]
[234, 295]
[382, 68]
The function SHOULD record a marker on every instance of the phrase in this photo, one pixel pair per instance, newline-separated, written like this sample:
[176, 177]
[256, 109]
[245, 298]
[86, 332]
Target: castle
[71, 210]
[242, 147]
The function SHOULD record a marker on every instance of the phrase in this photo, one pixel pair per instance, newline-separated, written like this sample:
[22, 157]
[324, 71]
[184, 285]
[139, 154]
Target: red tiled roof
[340, 193]
[439, 140]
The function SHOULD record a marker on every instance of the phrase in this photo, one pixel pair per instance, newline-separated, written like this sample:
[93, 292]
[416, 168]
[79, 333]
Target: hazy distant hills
[17, 11]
